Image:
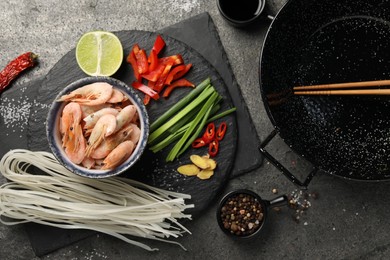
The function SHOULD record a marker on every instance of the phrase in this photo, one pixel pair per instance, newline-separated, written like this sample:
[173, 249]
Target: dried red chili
[15, 67]
[221, 131]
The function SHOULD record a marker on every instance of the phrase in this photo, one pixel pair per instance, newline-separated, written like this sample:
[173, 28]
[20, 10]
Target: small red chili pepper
[15, 67]
[213, 148]
[221, 131]
[199, 142]
[209, 134]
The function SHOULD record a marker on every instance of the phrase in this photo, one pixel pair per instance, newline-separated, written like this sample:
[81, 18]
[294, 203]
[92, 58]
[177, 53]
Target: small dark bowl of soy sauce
[240, 13]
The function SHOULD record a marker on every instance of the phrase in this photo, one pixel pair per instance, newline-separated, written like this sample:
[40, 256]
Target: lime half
[99, 53]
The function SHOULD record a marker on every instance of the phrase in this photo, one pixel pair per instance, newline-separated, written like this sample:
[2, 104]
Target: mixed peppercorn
[242, 214]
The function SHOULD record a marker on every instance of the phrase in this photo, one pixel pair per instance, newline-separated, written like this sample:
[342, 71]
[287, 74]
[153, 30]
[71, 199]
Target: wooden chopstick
[345, 92]
[345, 88]
[375, 83]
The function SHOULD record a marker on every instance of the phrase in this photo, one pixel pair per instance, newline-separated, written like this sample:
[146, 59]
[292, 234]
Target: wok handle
[284, 170]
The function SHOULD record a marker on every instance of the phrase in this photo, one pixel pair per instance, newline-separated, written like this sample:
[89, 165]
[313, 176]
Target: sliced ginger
[188, 169]
[203, 167]
[205, 174]
[199, 161]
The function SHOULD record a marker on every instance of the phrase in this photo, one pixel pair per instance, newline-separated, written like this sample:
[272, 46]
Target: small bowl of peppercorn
[242, 213]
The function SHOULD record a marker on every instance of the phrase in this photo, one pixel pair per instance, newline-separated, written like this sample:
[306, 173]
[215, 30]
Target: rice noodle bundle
[114, 206]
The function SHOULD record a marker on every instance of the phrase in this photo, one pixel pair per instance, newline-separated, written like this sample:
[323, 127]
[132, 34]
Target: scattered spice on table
[299, 200]
[242, 214]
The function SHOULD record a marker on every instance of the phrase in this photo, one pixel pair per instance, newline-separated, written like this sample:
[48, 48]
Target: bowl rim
[52, 125]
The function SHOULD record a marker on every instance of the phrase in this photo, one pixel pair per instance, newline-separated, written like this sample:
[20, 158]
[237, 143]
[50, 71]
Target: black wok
[317, 42]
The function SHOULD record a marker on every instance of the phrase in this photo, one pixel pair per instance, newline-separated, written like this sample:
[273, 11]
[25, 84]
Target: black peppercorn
[242, 214]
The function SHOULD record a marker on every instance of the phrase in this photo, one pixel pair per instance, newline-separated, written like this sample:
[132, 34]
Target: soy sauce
[241, 10]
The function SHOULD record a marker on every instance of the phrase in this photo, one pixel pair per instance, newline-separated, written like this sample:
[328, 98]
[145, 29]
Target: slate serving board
[152, 168]
[46, 239]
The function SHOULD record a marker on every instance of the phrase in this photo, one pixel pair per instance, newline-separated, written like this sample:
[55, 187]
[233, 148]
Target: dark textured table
[347, 220]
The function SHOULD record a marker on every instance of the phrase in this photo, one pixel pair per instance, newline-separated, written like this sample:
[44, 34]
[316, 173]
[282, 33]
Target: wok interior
[319, 42]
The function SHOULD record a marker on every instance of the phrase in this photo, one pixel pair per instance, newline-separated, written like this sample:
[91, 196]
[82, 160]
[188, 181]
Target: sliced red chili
[155, 74]
[183, 72]
[213, 148]
[176, 84]
[142, 61]
[15, 67]
[146, 99]
[209, 134]
[145, 89]
[199, 142]
[153, 60]
[133, 62]
[158, 44]
[221, 131]
[173, 72]
[160, 83]
[177, 59]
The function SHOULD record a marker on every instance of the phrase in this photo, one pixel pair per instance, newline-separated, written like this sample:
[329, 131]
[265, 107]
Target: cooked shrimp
[87, 110]
[125, 116]
[88, 162]
[71, 116]
[90, 95]
[104, 127]
[135, 134]
[118, 155]
[76, 145]
[117, 96]
[90, 121]
[111, 142]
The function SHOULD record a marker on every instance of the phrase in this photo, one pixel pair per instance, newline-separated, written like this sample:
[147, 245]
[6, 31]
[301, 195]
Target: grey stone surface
[349, 220]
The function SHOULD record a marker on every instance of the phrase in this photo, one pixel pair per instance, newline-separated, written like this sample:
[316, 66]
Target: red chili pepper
[146, 99]
[135, 49]
[15, 67]
[213, 148]
[209, 134]
[177, 83]
[161, 80]
[133, 62]
[142, 61]
[173, 72]
[183, 72]
[158, 44]
[153, 60]
[198, 142]
[155, 74]
[177, 59]
[221, 131]
[145, 89]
